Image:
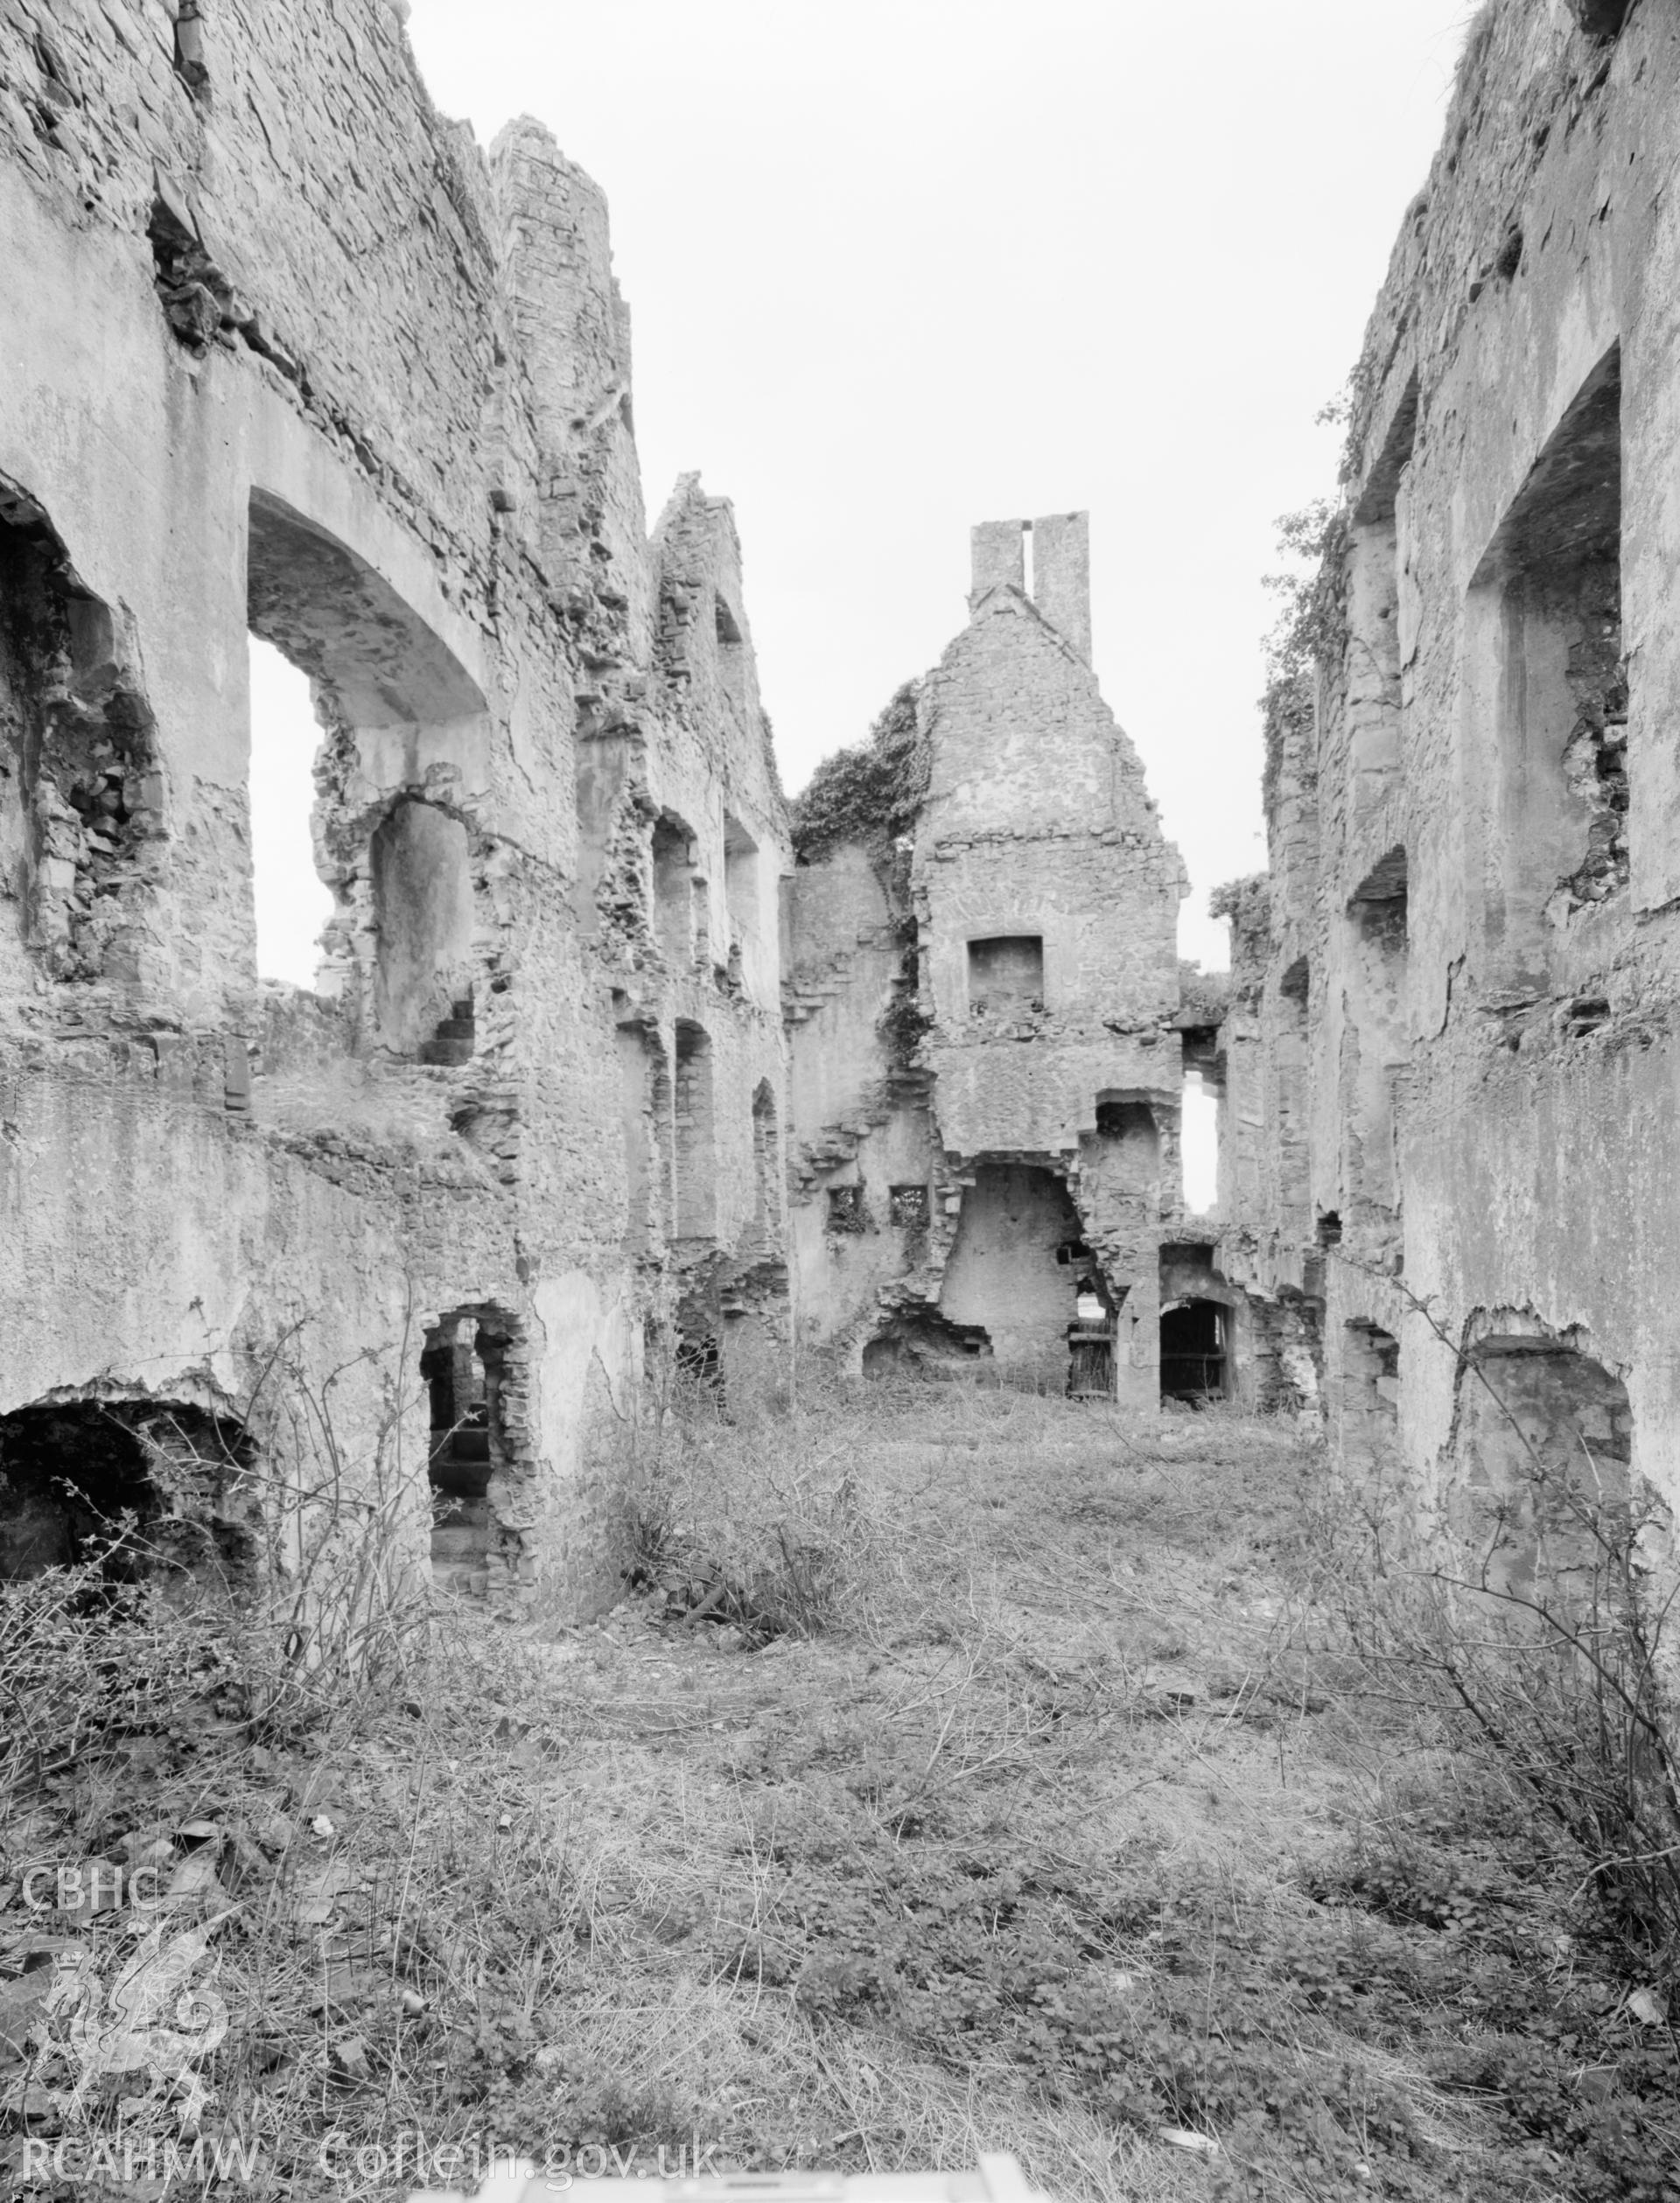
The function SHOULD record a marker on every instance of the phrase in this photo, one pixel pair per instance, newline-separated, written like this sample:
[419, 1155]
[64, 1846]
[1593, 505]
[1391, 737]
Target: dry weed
[1017, 1815]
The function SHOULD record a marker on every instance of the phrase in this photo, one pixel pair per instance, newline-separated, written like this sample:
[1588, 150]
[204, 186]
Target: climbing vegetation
[869, 794]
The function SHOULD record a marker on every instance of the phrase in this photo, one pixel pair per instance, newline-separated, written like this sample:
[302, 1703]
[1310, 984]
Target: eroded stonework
[1450, 1138]
[990, 1033]
[284, 354]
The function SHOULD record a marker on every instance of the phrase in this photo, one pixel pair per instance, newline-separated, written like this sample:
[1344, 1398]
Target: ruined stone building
[612, 1069]
[989, 1038]
[285, 356]
[282, 354]
[1450, 1140]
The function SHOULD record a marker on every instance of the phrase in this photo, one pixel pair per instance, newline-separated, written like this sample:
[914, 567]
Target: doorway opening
[1194, 1348]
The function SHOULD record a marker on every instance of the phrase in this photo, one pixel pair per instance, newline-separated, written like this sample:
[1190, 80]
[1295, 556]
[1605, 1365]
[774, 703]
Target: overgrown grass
[1014, 1793]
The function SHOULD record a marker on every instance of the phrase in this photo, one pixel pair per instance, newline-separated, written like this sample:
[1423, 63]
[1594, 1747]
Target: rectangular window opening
[1199, 1142]
[694, 1146]
[674, 899]
[293, 902]
[732, 656]
[846, 1211]
[1559, 780]
[908, 1205]
[1006, 975]
[740, 880]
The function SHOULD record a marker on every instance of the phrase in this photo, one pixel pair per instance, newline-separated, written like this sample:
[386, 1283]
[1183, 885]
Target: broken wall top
[1530, 84]
[1022, 740]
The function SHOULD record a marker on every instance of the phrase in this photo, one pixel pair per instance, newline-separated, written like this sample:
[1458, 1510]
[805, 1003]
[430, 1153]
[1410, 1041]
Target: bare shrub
[1560, 1679]
[759, 1522]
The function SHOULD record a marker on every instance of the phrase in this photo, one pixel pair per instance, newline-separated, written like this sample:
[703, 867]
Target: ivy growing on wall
[870, 793]
[1309, 624]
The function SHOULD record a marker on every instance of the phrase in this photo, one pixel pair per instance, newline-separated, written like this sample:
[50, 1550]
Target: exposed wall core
[926, 1344]
[987, 1013]
[1004, 1277]
[157, 1489]
[81, 795]
[1369, 1403]
[1473, 811]
[301, 366]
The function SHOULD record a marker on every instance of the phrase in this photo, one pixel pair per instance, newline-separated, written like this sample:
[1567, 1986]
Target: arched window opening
[390, 702]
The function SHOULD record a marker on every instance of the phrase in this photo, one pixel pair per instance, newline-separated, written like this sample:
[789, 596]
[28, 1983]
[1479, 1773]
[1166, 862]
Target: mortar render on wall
[1454, 1057]
[985, 1005]
[283, 352]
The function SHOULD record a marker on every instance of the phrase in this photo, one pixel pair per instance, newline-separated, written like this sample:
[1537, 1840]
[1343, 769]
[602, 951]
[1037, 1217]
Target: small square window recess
[846, 1208]
[1006, 975]
[909, 1205]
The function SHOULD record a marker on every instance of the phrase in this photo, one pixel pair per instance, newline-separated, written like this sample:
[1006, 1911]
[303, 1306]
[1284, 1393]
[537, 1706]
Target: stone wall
[988, 1033]
[285, 355]
[1454, 1064]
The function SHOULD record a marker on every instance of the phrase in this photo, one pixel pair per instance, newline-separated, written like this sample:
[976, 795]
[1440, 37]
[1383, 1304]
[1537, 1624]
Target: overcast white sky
[896, 266]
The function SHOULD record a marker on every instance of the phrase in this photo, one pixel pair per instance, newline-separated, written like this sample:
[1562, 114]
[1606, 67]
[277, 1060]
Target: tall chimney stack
[1061, 576]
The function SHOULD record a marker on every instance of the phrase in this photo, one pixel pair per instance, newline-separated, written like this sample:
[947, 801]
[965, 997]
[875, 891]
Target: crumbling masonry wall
[286, 354]
[984, 997]
[1459, 989]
